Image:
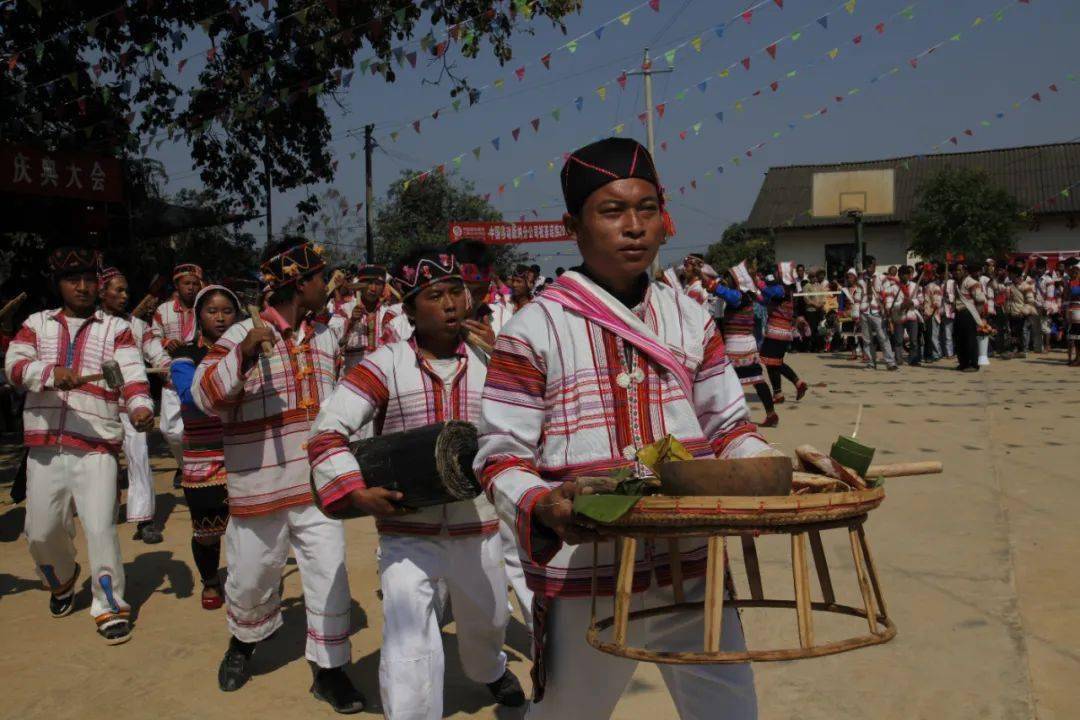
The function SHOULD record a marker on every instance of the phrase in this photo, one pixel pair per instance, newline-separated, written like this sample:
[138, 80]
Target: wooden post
[714, 592]
[753, 570]
[801, 574]
[624, 585]
[675, 559]
[822, 566]
[864, 585]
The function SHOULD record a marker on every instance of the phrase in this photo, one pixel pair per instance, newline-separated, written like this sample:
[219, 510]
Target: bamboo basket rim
[704, 513]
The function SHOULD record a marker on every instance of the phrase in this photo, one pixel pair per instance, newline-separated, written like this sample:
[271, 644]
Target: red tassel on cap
[669, 224]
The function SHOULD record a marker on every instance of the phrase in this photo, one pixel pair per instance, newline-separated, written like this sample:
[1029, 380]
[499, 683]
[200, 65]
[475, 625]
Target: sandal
[212, 602]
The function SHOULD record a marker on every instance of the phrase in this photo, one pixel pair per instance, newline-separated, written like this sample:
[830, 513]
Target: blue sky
[963, 82]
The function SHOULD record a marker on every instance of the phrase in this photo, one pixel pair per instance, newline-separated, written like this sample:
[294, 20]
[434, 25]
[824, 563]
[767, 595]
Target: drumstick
[906, 469]
[12, 305]
[257, 321]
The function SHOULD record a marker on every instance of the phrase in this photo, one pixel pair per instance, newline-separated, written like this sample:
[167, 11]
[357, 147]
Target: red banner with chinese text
[84, 177]
[509, 233]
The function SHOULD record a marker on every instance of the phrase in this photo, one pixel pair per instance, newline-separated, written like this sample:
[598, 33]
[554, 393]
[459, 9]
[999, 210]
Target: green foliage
[736, 245]
[86, 77]
[419, 217]
[959, 210]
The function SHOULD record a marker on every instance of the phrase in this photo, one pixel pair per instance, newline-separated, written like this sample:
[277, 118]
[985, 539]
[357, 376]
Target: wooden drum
[802, 517]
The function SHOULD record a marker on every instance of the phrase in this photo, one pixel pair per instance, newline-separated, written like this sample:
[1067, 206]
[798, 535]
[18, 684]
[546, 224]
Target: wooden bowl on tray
[739, 477]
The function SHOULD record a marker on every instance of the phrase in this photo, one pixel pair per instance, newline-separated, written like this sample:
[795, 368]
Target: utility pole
[369, 193]
[857, 216]
[647, 72]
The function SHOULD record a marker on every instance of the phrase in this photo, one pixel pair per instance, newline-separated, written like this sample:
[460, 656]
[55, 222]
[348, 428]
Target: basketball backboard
[871, 192]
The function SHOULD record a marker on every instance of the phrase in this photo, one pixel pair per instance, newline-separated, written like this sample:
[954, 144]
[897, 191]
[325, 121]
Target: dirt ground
[978, 566]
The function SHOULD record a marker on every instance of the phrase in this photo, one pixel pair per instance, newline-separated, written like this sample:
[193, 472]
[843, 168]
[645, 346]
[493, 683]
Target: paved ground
[978, 566]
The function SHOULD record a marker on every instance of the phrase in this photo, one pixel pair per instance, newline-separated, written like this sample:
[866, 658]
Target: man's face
[373, 290]
[519, 286]
[187, 287]
[905, 275]
[820, 276]
[79, 292]
[438, 310]
[619, 230]
[312, 292]
[114, 295]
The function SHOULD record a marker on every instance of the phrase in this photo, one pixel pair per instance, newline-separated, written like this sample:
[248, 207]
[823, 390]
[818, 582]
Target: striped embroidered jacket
[86, 418]
[397, 389]
[172, 321]
[204, 454]
[696, 291]
[780, 324]
[890, 294]
[868, 295]
[153, 352]
[399, 327]
[553, 410]
[909, 292]
[266, 408]
[366, 334]
[949, 306]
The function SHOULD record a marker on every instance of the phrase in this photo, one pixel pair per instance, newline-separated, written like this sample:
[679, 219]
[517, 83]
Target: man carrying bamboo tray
[62, 359]
[266, 378]
[601, 365]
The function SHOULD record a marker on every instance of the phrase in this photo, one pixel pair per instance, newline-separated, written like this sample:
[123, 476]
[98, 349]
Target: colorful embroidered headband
[73, 260]
[187, 269]
[426, 270]
[294, 264]
[106, 274]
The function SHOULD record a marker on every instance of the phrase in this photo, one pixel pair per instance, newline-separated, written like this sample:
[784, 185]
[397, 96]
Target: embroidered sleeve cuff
[334, 496]
[540, 543]
[726, 444]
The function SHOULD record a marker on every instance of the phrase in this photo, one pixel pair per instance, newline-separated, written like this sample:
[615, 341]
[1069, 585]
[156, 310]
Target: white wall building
[806, 233]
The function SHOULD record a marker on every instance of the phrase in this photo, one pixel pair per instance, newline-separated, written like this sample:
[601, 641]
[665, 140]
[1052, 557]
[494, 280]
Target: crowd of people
[264, 397]
[911, 314]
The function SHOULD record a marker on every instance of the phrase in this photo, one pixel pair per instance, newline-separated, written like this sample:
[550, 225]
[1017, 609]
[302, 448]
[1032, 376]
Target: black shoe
[176, 479]
[150, 534]
[507, 690]
[116, 632]
[233, 672]
[332, 685]
[62, 605]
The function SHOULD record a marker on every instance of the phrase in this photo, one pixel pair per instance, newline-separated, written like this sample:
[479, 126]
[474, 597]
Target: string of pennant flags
[696, 128]
[737, 160]
[697, 41]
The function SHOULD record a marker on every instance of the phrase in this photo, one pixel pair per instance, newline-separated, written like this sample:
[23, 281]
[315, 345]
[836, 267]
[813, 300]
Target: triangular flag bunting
[1053, 87]
[746, 63]
[703, 85]
[880, 27]
[643, 117]
[681, 95]
[602, 92]
[394, 136]
[833, 53]
[621, 80]
[416, 125]
[598, 32]
[850, 6]
[516, 132]
[495, 143]
[619, 128]
[535, 122]
[572, 46]
[984, 123]
[1036, 97]
[655, 5]
[547, 61]
[499, 84]
[517, 181]
[955, 38]
[555, 114]
[953, 140]
[719, 30]
[456, 104]
[179, 66]
[625, 18]
[771, 49]
[969, 133]
[720, 116]
[476, 152]
[457, 162]
[914, 62]
[682, 135]
[435, 115]
[670, 56]
[660, 109]
[857, 39]
[663, 146]
[747, 16]
[774, 86]
[696, 43]
[779, 4]
[411, 57]
[520, 72]
[823, 21]
[723, 73]
[578, 102]
[738, 106]
[796, 35]
[697, 128]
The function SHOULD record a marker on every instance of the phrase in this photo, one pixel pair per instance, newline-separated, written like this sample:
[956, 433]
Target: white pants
[172, 424]
[55, 477]
[584, 683]
[412, 663]
[515, 574]
[140, 497]
[256, 549]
